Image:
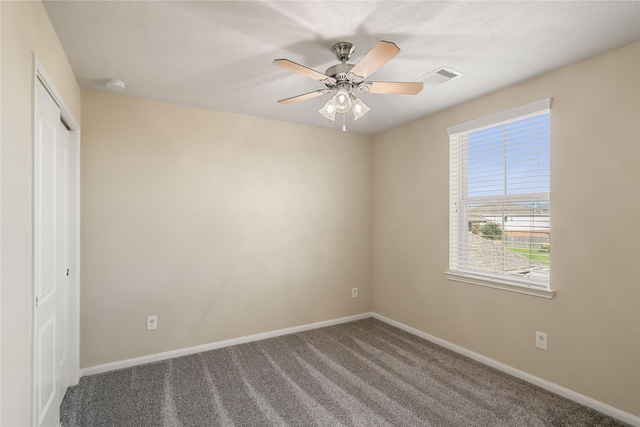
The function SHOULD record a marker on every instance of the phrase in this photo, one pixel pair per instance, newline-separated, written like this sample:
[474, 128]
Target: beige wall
[592, 324]
[25, 29]
[221, 225]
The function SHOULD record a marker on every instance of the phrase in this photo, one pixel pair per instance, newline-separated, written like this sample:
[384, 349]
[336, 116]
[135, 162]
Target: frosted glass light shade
[359, 108]
[342, 101]
[329, 110]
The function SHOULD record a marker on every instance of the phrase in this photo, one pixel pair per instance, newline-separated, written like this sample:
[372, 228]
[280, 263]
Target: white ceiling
[218, 54]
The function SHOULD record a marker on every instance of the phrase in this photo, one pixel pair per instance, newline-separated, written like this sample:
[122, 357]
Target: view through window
[500, 204]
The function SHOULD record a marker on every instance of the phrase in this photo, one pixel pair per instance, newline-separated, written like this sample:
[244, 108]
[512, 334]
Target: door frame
[40, 75]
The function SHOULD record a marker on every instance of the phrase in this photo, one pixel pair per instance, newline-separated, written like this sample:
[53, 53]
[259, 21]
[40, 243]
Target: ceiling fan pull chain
[344, 123]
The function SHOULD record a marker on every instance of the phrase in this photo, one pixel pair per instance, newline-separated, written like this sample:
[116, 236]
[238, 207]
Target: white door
[51, 259]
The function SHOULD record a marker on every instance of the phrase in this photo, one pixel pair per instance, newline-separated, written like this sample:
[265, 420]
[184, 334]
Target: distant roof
[485, 255]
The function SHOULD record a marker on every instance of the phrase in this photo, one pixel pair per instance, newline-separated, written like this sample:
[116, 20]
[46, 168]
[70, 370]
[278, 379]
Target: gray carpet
[363, 373]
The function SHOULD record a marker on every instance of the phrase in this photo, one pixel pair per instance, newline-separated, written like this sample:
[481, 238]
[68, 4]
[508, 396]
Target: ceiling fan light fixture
[329, 110]
[359, 108]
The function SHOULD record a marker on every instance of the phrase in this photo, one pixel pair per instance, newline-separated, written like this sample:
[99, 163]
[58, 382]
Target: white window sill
[498, 284]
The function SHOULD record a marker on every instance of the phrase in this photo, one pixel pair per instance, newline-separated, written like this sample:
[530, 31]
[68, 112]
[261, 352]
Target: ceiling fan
[344, 80]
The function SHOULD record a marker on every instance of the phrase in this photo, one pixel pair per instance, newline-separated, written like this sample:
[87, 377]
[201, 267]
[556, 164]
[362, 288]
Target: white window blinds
[500, 211]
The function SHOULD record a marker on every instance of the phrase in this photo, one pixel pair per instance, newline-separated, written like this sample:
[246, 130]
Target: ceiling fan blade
[375, 58]
[398, 88]
[304, 97]
[301, 69]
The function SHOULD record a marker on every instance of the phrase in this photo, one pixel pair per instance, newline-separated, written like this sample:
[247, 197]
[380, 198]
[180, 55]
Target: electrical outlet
[354, 293]
[541, 340]
[152, 323]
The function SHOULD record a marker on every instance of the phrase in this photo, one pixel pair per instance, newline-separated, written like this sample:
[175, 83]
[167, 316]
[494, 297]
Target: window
[500, 210]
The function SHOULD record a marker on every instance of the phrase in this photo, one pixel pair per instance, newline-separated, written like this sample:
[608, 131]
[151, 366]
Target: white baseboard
[212, 346]
[554, 388]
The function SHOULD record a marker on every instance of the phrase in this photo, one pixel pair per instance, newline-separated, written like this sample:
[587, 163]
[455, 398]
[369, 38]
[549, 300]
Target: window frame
[458, 220]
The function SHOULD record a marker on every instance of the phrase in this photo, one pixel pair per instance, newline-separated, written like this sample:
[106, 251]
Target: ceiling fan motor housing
[342, 73]
[339, 71]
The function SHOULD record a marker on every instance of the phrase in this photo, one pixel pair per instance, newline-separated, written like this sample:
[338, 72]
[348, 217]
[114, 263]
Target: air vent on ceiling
[440, 75]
